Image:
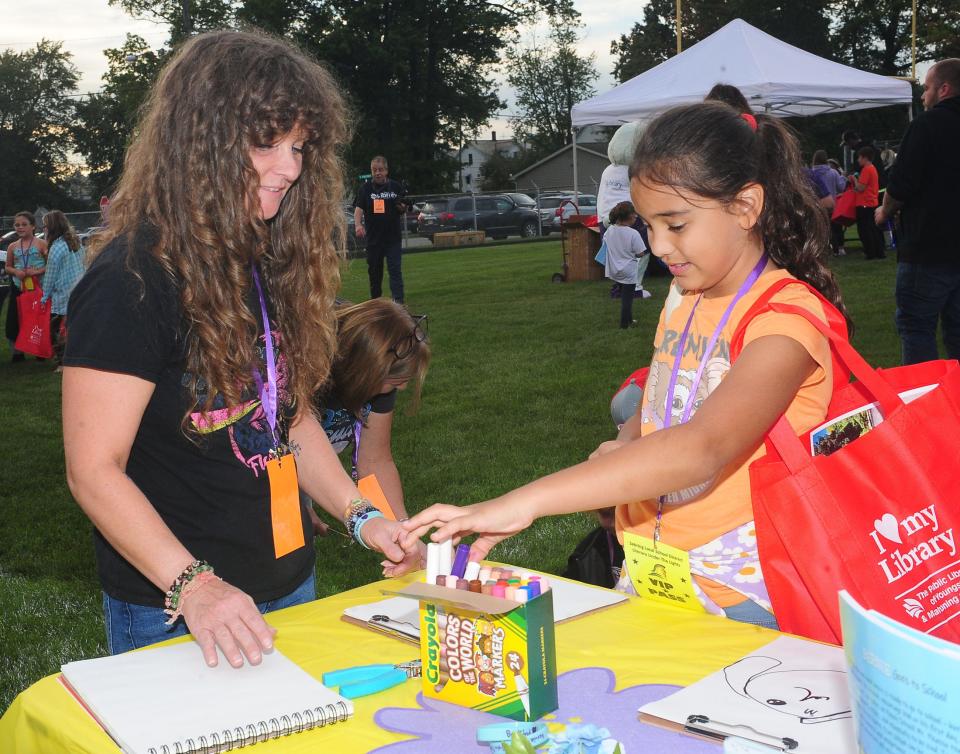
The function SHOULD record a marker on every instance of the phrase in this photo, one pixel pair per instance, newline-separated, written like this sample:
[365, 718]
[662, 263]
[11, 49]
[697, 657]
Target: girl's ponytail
[713, 151]
[794, 227]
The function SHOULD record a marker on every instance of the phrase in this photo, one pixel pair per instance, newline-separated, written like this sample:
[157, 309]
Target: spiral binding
[262, 730]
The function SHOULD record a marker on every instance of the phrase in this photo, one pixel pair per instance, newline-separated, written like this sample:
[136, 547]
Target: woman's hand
[220, 615]
[384, 535]
[494, 521]
[413, 560]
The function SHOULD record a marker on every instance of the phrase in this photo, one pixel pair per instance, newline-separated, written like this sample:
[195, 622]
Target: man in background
[924, 188]
[378, 211]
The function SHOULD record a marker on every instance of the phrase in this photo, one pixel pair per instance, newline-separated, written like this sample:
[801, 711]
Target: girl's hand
[220, 615]
[494, 520]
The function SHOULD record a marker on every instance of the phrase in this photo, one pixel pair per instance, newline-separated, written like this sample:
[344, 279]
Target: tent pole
[573, 130]
[679, 45]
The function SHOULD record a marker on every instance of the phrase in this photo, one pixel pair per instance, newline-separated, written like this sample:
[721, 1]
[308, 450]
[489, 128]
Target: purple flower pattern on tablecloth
[586, 695]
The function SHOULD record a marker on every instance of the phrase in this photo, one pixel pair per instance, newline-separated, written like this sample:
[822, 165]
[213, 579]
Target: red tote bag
[34, 334]
[877, 517]
[845, 208]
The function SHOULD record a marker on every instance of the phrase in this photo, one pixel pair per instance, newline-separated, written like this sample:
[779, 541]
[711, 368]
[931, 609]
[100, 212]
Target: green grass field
[522, 374]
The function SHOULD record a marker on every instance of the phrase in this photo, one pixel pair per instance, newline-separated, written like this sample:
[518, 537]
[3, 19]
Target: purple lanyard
[711, 344]
[357, 427]
[268, 392]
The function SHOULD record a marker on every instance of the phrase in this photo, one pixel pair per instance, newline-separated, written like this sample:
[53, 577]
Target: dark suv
[500, 216]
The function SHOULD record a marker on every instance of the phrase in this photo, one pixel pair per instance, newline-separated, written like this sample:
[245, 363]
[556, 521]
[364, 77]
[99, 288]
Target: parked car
[499, 215]
[584, 204]
[84, 236]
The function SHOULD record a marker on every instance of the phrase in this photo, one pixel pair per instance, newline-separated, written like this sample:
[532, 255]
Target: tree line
[422, 75]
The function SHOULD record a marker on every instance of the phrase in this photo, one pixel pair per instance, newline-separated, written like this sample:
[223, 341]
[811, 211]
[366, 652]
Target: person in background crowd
[26, 263]
[199, 334]
[730, 95]
[925, 191]
[381, 349]
[625, 248]
[866, 186]
[836, 185]
[64, 269]
[853, 141]
[379, 209]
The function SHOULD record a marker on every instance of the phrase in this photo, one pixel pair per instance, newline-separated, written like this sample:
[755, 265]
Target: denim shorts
[751, 612]
[132, 626]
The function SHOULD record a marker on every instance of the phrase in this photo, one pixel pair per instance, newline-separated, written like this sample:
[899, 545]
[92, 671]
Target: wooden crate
[582, 245]
[459, 238]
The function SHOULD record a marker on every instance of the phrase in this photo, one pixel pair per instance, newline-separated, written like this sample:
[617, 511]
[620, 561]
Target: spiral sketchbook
[166, 700]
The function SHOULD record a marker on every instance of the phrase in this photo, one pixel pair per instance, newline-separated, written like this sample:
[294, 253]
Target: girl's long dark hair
[709, 150]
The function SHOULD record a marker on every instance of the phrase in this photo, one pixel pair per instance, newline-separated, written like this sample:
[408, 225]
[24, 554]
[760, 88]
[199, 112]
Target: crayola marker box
[487, 653]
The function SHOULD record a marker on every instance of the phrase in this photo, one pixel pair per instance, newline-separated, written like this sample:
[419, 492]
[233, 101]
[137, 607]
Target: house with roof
[473, 155]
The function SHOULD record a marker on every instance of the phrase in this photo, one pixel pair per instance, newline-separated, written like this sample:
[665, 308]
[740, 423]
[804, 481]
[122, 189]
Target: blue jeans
[928, 294]
[751, 612]
[132, 626]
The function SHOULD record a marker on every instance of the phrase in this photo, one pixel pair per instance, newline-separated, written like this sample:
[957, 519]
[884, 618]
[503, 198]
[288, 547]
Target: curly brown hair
[709, 150]
[189, 179]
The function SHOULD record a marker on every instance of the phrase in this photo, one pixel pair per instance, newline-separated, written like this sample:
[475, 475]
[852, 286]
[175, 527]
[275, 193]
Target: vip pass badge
[660, 572]
[285, 513]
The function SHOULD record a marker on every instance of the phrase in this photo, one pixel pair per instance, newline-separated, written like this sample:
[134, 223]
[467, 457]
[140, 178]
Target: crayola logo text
[433, 645]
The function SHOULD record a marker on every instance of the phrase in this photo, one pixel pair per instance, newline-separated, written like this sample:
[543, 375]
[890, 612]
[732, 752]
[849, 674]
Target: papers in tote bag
[399, 616]
[790, 695]
[153, 701]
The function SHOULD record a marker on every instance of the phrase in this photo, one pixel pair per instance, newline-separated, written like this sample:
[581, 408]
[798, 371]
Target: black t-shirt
[926, 177]
[337, 421]
[382, 227]
[210, 485]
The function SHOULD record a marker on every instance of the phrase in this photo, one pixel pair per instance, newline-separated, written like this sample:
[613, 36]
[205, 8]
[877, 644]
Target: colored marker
[463, 585]
[460, 561]
[534, 589]
[433, 562]
[497, 590]
[451, 582]
[440, 581]
[472, 571]
[446, 557]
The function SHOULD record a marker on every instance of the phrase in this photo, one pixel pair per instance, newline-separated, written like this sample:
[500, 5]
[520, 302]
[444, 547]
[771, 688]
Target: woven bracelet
[174, 595]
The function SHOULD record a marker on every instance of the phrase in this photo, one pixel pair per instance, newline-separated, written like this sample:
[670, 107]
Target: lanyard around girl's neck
[268, 392]
[674, 373]
[25, 255]
[711, 344]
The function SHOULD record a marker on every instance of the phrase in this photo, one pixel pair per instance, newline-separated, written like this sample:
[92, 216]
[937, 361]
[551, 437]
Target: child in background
[866, 184]
[728, 211]
[625, 248]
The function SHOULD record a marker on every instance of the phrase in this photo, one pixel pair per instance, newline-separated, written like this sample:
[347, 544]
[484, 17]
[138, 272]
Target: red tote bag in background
[879, 516]
[845, 208]
[34, 334]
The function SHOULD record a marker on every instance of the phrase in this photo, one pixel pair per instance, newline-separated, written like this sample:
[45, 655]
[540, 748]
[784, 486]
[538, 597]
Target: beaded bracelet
[174, 595]
[358, 526]
[355, 510]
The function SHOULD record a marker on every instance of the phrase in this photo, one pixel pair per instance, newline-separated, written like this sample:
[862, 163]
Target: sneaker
[841, 252]
[642, 293]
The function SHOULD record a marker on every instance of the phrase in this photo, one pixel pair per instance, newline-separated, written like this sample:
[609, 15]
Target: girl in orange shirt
[730, 213]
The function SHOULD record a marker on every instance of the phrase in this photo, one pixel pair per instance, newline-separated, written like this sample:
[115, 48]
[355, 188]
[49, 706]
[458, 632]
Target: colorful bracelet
[355, 510]
[175, 594]
[358, 526]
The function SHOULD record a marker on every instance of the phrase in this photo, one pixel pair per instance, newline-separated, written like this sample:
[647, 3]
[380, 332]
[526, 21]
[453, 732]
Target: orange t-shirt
[870, 196]
[699, 516]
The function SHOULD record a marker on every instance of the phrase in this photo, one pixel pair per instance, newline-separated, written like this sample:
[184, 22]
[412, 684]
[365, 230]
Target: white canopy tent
[775, 77]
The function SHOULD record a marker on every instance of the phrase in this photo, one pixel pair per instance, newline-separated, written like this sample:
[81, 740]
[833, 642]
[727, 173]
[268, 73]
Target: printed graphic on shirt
[655, 392]
[246, 424]
[338, 424]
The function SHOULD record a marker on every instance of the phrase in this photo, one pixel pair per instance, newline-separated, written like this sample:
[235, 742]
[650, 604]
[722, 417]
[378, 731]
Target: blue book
[904, 685]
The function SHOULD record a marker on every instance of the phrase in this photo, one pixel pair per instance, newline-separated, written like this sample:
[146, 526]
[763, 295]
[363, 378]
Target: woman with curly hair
[199, 335]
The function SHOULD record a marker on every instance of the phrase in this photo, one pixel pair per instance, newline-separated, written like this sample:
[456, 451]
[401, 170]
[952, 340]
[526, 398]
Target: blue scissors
[370, 679]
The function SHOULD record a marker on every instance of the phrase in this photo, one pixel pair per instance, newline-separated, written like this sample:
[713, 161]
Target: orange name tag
[370, 488]
[285, 505]
[379, 207]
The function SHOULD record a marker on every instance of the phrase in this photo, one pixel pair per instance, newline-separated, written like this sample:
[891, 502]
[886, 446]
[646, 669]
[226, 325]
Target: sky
[87, 27]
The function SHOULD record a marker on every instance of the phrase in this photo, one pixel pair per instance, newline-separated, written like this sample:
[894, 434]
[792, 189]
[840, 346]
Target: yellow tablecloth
[642, 642]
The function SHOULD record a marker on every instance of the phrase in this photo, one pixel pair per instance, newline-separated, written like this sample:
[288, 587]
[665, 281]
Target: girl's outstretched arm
[730, 424]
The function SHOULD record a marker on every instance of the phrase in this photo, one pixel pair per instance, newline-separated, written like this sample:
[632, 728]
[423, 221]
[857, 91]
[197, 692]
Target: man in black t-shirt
[377, 212]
